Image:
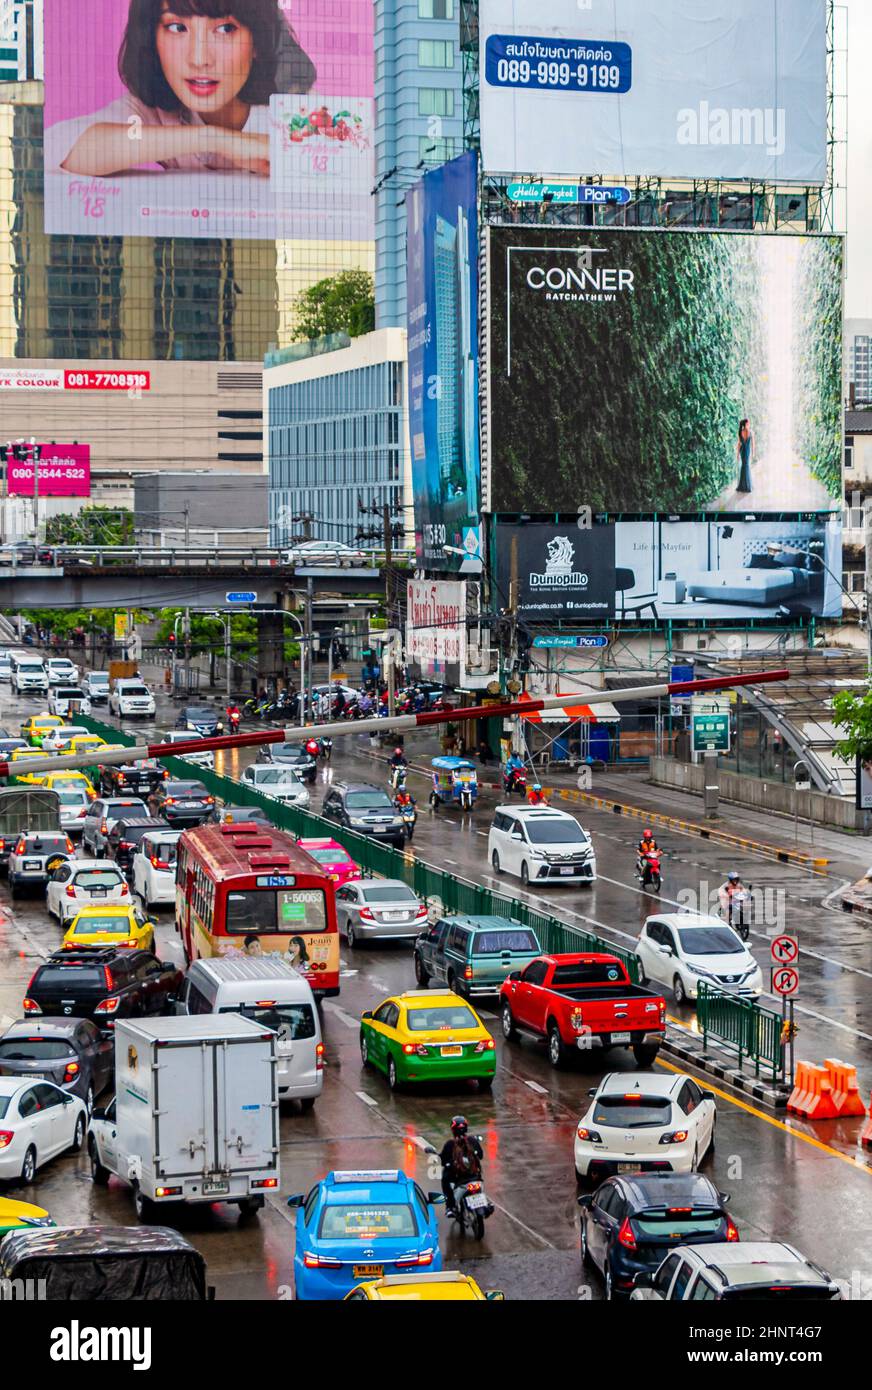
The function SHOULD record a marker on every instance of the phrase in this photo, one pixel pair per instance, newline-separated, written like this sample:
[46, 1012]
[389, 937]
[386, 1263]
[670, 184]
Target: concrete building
[419, 104]
[858, 361]
[209, 508]
[337, 435]
[21, 40]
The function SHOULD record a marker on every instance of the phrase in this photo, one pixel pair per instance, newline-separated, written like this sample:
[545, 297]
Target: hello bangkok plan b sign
[680, 88]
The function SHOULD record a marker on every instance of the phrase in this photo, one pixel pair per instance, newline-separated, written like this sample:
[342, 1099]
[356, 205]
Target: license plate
[396, 916]
[35, 1076]
[478, 1199]
[628, 1167]
[369, 1271]
[214, 1189]
[189, 805]
[451, 1051]
[569, 870]
[32, 864]
[97, 892]
[620, 1037]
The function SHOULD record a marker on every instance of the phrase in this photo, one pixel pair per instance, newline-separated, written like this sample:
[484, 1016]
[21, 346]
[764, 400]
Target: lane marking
[534, 1086]
[341, 1014]
[523, 1225]
[367, 1100]
[856, 1163]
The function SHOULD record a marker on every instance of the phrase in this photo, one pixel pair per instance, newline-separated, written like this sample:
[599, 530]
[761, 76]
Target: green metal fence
[754, 1032]
[456, 894]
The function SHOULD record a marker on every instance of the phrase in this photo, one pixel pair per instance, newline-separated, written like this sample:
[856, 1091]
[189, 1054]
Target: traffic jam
[238, 1012]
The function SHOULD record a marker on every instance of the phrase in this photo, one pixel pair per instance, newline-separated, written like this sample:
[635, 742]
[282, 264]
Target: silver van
[271, 992]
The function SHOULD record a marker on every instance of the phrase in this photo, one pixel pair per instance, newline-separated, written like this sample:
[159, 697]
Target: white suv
[29, 675]
[154, 868]
[680, 949]
[540, 844]
[62, 671]
[131, 696]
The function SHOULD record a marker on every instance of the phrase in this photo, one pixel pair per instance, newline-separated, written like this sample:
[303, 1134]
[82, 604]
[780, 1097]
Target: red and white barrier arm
[400, 724]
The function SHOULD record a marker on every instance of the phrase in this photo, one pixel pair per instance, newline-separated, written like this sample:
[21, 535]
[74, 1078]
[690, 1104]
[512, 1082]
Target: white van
[28, 674]
[540, 843]
[5, 666]
[268, 990]
[131, 696]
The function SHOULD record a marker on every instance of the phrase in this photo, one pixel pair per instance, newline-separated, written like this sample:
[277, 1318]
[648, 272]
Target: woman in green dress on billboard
[746, 452]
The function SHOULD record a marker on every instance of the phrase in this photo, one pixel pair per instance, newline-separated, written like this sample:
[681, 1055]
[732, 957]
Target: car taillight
[108, 1006]
[409, 1048]
[406, 1261]
[467, 974]
[71, 892]
[485, 1045]
[168, 1192]
[71, 1071]
[107, 977]
[209, 800]
[21, 847]
[422, 911]
[732, 1229]
[677, 1136]
[366, 913]
[2, 844]
[6, 1137]
[625, 1235]
[124, 890]
[319, 1056]
[313, 1261]
[170, 801]
[131, 942]
[576, 1022]
[104, 829]
[589, 1136]
[125, 844]
[30, 1006]
[265, 1182]
[69, 845]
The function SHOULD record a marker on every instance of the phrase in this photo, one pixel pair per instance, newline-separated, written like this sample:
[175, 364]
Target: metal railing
[754, 1032]
[429, 883]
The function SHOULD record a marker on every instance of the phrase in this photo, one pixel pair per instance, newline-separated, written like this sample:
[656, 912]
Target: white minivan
[540, 844]
[29, 675]
[5, 666]
[270, 991]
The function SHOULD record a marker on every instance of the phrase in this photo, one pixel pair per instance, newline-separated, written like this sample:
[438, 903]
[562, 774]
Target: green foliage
[64, 621]
[207, 635]
[91, 526]
[818, 368]
[853, 713]
[343, 303]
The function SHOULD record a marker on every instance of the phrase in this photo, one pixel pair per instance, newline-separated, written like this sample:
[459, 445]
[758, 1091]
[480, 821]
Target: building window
[858, 582]
[435, 53]
[849, 451]
[435, 9]
[437, 151]
[435, 101]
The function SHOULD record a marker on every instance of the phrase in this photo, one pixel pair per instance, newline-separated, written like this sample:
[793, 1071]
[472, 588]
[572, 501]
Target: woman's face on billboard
[205, 61]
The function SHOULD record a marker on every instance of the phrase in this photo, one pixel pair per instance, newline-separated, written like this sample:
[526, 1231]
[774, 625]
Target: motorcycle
[739, 912]
[326, 749]
[409, 813]
[233, 718]
[471, 1208]
[648, 870]
[398, 777]
[515, 780]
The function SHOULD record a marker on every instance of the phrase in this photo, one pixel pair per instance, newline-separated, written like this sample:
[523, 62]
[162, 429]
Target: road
[807, 1184]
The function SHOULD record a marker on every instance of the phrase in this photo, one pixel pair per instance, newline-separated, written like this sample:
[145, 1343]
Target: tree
[853, 713]
[343, 303]
[91, 526]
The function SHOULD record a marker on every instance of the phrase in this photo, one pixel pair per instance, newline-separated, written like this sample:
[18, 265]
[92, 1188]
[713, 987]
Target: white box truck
[195, 1116]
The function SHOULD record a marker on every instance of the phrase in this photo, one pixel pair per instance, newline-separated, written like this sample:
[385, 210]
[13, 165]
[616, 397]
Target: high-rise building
[858, 361]
[419, 123]
[21, 50]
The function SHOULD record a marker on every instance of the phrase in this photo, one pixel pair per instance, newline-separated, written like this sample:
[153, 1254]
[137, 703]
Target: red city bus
[249, 887]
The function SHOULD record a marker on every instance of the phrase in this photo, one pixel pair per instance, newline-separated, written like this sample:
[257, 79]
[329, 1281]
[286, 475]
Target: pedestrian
[484, 752]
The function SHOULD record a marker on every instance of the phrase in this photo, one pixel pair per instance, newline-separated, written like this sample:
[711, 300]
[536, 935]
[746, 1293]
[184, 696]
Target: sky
[858, 287]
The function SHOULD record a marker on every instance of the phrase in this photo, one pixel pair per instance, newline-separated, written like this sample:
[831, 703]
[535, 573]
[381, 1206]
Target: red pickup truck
[579, 1002]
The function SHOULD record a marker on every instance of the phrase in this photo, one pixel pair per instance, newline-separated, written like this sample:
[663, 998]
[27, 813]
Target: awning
[573, 710]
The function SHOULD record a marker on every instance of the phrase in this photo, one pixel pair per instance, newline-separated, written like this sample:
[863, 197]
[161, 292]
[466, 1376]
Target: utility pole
[187, 652]
[34, 454]
[388, 649]
[310, 644]
[187, 516]
[227, 653]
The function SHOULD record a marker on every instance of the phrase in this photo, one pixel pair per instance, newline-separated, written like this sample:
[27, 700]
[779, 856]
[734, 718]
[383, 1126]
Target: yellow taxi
[449, 1286]
[58, 781]
[21, 755]
[110, 926]
[427, 1035]
[84, 743]
[22, 1216]
[38, 725]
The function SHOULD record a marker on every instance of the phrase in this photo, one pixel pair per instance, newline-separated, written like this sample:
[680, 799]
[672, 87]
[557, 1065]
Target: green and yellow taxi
[448, 1286]
[20, 756]
[38, 725]
[22, 1216]
[110, 926]
[427, 1035]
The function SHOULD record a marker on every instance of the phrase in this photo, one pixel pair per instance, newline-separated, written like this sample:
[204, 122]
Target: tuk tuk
[455, 781]
[105, 1264]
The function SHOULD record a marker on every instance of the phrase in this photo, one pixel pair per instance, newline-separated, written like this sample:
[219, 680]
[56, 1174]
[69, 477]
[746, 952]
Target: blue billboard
[442, 302]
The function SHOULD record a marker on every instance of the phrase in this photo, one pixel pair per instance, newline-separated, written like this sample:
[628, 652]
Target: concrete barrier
[755, 792]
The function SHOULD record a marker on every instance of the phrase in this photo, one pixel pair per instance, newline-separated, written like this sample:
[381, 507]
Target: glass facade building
[419, 107]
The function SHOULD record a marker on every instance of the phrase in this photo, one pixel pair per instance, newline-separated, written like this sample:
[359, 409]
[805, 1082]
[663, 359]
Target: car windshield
[139, 691]
[117, 926]
[34, 1050]
[71, 797]
[673, 1224]
[290, 750]
[132, 833]
[98, 678]
[271, 775]
[289, 1022]
[440, 1018]
[200, 712]
[710, 941]
[554, 831]
[347, 1222]
[116, 810]
[369, 801]
[185, 789]
[488, 943]
[70, 692]
[97, 878]
[632, 1112]
[330, 856]
[180, 737]
[389, 893]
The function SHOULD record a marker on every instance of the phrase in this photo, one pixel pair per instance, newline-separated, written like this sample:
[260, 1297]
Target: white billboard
[436, 630]
[719, 89]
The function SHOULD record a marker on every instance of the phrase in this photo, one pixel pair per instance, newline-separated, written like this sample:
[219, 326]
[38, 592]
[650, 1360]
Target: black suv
[125, 835]
[182, 804]
[296, 756]
[368, 810]
[102, 983]
[139, 778]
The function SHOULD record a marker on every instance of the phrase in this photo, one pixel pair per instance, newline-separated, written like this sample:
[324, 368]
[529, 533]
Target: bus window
[258, 910]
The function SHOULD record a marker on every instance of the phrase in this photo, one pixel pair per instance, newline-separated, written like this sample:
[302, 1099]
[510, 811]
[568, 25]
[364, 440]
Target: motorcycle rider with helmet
[647, 845]
[461, 1158]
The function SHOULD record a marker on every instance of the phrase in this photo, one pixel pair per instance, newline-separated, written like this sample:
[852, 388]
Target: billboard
[694, 89]
[442, 298]
[196, 120]
[436, 630]
[675, 371]
[85, 379]
[64, 471]
[633, 571]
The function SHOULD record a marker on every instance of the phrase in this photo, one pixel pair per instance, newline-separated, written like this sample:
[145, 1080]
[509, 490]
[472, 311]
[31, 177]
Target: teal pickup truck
[473, 955]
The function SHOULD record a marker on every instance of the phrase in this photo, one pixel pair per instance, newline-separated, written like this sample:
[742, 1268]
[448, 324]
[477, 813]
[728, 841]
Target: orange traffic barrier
[812, 1095]
[846, 1091]
[866, 1132]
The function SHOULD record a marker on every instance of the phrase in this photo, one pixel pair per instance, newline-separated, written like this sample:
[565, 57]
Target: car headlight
[354, 820]
[397, 820]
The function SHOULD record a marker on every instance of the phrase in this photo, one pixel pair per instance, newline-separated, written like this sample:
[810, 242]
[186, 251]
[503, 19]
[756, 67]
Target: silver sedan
[379, 909]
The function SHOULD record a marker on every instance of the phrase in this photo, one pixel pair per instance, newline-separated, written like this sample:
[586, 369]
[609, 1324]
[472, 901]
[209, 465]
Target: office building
[419, 105]
[21, 42]
[858, 361]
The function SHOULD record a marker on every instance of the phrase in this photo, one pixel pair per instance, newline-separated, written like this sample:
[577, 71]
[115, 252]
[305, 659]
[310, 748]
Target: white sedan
[274, 780]
[37, 1121]
[683, 949]
[57, 739]
[205, 759]
[84, 883]
[644, 1122]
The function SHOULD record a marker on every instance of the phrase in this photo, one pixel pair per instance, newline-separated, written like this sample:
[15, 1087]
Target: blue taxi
[360, 1225]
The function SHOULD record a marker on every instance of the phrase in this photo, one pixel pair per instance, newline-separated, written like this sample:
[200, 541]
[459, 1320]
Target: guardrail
[754, 1032]
[455, 894]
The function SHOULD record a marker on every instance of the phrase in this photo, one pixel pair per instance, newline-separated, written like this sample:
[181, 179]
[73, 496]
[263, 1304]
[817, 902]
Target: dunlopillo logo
[559, 572]
[586, 281]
